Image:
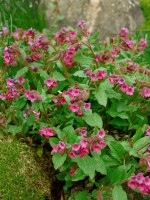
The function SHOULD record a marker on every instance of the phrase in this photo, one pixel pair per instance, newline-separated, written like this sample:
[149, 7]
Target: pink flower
[101, 134]
[123, 32]
[32, 95]
[101, 74]
[50, 82]
[83, 143]
[55, 148]
[140, 178]
[72, 154]
[83, 152]
[148, 132]
[61, 145]
[96, 147]
[132, 185]
[102, 144]
[130, 90]
[72, 172]
[46, 132]
[93, 77]
[87, 106]
[36, 56]
[5, 31]
[73, 107]
[3, 96]
[142, 44]
[129, 44]
[76, 147]
[124, 87]
[83, 132]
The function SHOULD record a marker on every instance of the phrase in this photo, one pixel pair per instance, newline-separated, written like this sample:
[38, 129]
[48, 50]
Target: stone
[104, 16]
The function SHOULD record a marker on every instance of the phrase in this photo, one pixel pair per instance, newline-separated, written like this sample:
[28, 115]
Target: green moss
[20, 174]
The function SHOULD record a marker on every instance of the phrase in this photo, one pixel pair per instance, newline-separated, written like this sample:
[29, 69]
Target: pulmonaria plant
[88, 99]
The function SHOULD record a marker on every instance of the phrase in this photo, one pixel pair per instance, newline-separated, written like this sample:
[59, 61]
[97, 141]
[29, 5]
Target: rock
[105, 16]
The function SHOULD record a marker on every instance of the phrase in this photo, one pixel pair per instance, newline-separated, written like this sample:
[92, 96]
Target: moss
[21, 176]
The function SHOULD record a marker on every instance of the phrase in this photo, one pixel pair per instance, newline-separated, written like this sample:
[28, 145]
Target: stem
[45, 114]
[89, 46]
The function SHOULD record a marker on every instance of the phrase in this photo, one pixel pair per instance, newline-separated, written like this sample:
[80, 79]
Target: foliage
[19, 14]
[89, 100]
[145, 6]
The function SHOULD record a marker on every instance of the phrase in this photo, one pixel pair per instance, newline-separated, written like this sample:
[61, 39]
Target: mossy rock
[22, 177]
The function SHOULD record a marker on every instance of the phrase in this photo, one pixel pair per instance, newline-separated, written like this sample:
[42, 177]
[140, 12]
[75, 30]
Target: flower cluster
[15, 88]
[69, 55]
[4, 31]
[77, 99]
[145, 92]
[93, 143]
[42, 42]
[11, 55]
[46, 132]
[140, 182]
[66, 36]
[99, 75]
[32, 95]
[119, 81]
[50, 82]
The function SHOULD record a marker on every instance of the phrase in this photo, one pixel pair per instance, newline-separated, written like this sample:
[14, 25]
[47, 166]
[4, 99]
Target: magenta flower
[73, 107]
[123, 32]
[50, 82]
[61, 145]
[96, 148]
[32, 95]
[76, 147]
[87, 106]
[83, 152]
[101, 134]
[148, 132]
[46, 132]
[130, 90]
[72, 154]
[83, 143]
[142, 44]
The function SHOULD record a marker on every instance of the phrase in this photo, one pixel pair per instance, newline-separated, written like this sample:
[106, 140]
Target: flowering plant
[89, 100]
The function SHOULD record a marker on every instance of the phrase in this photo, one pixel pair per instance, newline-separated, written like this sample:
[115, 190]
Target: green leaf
[80, 73]
[29, 122]
[14, 129]
[110, 161]
[84, 60]
[21, 72]
[118, 193]
[58, 160]
[99, 164]
[101, 96]
[139, 133]
[43, 74]
[58, 76]
[117, 150]
[70, 134]
[79, 175]
[19, 103]
[82, 196]
[140, 146]
[93, 120]
[53, 141]
[87, 165]
[116, 175]
[94, 37]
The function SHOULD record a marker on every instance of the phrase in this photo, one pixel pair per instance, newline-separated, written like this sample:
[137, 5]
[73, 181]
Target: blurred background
[105, 16]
